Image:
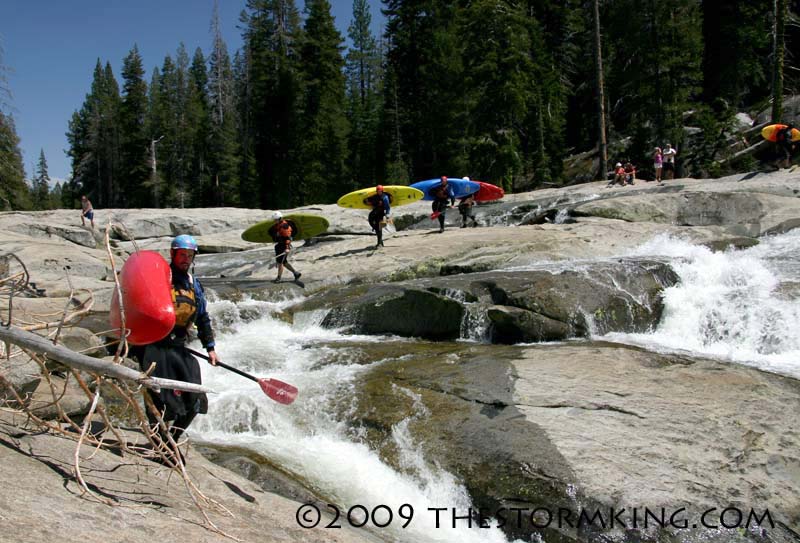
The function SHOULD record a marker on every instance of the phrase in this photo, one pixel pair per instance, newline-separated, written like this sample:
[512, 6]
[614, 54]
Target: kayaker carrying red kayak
[172, 359]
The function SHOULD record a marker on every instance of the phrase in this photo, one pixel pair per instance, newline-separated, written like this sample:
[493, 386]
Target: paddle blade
[435, 215]
[278, 390]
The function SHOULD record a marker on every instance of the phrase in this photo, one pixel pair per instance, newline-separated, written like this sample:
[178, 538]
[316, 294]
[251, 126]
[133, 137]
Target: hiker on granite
[283, 232]
[466, 207]
[380, 212]
[669, 161]
[784, 139]
[171, 357]
[87, 212]
[441, 194]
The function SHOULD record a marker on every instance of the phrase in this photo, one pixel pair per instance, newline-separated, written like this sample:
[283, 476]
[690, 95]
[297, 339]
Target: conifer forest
[499, 90]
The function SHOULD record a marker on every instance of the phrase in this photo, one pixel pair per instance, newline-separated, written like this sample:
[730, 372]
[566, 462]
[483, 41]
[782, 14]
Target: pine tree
[135, 144]
[93, 135]
[655, 53]
[734, 54]
[778, 63]
[390, 140]
[56, 196]
[14, 194]
[514, 96]
[110, 104]
[157, 128]
[364, 86]
[322, 164]
[5, 93]
[175, 117]
[271, 40]
[41, 184]
[424, 56]
[245, 133]
[187, 122]
[199, 115]
[221, 93]
[602, 144]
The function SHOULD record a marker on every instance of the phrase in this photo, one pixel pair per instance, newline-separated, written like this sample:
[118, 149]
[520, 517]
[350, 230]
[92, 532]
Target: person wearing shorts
[658, 163]
[86, 211]
[669, 161]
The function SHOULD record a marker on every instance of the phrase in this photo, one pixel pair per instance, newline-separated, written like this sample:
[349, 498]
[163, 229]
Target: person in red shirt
[630, 173]
[619, 175]
[282, 232]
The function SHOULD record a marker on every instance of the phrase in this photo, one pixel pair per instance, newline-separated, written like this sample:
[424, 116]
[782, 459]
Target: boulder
[521, 306]
[388, 309]
[21, 373]
[595, 427]
[515, 325]
[70, 397]
[741, 213]
[624, 296]
[82, 341]
[76, 234]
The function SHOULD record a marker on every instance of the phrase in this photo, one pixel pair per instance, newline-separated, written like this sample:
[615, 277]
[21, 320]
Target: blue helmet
[184, 241]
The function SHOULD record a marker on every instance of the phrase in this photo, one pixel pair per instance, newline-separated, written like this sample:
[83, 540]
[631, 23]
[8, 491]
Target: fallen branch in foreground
[41, 345]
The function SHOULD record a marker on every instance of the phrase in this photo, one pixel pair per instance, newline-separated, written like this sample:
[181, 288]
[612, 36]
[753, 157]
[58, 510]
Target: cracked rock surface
[588, 425]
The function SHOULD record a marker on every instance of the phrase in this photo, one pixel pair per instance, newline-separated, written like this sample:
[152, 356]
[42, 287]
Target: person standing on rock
[87, 212]
[658, 163]
[380, 211]
[466, 208]
[669, 161]
[784, 139]
[170, 355]
[441, 195]
[282, 232]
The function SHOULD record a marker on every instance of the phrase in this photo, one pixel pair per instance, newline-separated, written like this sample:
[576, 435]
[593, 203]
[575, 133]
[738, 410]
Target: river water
[736, 306]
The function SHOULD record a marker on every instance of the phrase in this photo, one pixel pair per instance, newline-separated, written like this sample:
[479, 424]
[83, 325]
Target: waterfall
[742, 306]
[311, 439]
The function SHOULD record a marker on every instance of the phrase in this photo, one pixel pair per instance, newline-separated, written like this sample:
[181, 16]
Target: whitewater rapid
[738, 305]
[308, 440]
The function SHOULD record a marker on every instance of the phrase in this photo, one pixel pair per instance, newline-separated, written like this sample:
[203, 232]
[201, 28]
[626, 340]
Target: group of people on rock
[623, 175]
[442, 194]
[664, 160]
[663, 164]
[171, 356]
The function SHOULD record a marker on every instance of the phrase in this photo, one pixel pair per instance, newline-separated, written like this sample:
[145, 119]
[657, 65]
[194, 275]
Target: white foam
[726, 304]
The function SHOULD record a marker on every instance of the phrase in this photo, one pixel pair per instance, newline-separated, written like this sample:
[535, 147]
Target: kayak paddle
[277, 390]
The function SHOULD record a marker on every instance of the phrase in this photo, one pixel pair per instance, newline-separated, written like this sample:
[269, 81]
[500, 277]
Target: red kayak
[488, 192]
[146, 284]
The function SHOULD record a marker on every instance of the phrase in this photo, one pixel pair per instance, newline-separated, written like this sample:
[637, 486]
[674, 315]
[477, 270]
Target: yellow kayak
[398, 195]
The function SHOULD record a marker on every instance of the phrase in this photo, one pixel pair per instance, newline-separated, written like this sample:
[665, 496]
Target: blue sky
[51, 46]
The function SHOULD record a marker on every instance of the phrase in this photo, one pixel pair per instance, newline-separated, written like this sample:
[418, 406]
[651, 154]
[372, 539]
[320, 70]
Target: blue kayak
[461, 187]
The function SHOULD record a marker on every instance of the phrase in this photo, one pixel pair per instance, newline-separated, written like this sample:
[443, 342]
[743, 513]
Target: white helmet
[619, 165]
[277, 216]
[465, 177]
